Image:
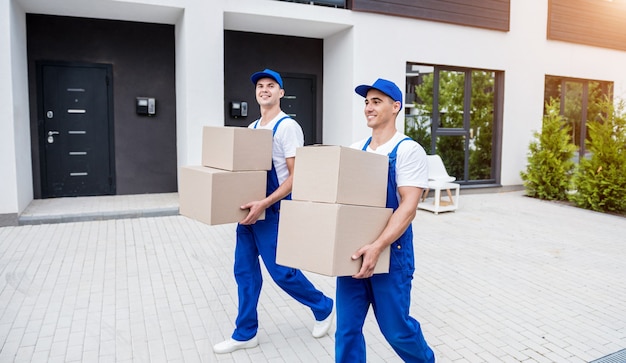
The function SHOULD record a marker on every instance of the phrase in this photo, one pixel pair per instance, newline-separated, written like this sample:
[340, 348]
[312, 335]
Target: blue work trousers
[260, 239]
[389, 296]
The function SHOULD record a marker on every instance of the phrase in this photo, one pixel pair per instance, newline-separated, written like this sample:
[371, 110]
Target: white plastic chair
[438, 180]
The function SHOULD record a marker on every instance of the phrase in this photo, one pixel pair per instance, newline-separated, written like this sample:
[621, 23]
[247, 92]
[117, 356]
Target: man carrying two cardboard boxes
[258, 237]
[387, 293]
[351, 218]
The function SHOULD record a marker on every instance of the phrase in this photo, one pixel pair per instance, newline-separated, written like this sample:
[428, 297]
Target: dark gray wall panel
[489, 14]
[143, 60]
[589, 22]
[246, 53]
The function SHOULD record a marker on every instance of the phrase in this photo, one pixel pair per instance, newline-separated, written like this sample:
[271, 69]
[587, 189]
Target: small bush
[600, 180]
[550, 165]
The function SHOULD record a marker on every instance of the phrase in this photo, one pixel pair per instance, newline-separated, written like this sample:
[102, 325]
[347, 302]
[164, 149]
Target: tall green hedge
[600, 180]
[550, 158]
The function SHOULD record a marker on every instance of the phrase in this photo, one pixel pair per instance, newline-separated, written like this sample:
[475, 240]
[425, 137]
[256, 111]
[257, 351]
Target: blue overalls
[390, 297]
[260, 239]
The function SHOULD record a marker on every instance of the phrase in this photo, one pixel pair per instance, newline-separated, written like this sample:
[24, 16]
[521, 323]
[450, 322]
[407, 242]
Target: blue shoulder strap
[393, 152]
[272, 177]
[367, 143]
[275, 126]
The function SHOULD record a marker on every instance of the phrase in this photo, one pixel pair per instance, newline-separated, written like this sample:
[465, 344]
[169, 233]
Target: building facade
[109, 97]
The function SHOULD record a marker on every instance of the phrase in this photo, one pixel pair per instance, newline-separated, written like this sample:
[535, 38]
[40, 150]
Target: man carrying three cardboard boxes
[257, 237]
[388, 293]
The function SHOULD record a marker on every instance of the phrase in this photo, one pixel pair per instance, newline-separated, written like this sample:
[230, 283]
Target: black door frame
[45, 193]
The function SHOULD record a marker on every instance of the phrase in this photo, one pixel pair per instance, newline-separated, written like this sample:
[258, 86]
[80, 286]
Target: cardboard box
[214, 196]
[236, 148]
[337, 174]
[321, 237]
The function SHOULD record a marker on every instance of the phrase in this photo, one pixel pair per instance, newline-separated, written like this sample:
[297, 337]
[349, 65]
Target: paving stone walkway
[505, 278]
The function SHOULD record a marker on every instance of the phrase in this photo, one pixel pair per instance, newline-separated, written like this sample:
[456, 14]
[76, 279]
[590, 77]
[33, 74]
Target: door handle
[50, 136]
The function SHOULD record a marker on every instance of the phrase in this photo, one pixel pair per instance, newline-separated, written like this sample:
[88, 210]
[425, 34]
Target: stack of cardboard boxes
[338, 197]
[338, 205]
[234, 168]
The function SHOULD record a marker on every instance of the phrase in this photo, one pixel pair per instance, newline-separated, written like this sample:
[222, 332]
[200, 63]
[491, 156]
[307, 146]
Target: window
[578, 99]
[464, 129]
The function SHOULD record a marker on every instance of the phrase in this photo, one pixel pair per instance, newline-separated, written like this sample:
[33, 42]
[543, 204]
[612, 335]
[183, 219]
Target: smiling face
[268, 92]
[380, 109]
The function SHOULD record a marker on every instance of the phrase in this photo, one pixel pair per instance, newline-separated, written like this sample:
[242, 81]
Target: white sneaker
[322, 327]
[231, 345]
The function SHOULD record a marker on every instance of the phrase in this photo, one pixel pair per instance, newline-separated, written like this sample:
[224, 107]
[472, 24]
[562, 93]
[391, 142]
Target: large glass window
[578, 99]
[463, 128]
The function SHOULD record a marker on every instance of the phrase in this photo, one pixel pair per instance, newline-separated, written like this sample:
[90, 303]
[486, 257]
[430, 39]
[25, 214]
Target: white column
[16, 187]
[199, 77]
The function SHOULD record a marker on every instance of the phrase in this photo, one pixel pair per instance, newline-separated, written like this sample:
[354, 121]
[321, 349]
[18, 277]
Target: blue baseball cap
[387, 87]
[267, 73]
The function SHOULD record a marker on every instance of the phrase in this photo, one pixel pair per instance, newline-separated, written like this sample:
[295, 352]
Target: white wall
[8, 190]
[379, 52]
[199, 76]
[16, 182]
[21, 116]
[384, 49]
[358, 47]
[383, 44]
[339, 116]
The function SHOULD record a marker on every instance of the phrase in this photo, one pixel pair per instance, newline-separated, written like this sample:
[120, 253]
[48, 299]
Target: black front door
[299, 103]
[75, 129]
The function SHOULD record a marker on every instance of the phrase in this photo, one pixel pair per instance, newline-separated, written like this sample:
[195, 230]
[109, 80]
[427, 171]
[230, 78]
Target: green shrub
[550, 165]
[600, 180]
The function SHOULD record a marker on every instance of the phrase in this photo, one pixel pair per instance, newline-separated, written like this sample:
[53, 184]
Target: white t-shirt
[287, 139]
[411, 163]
